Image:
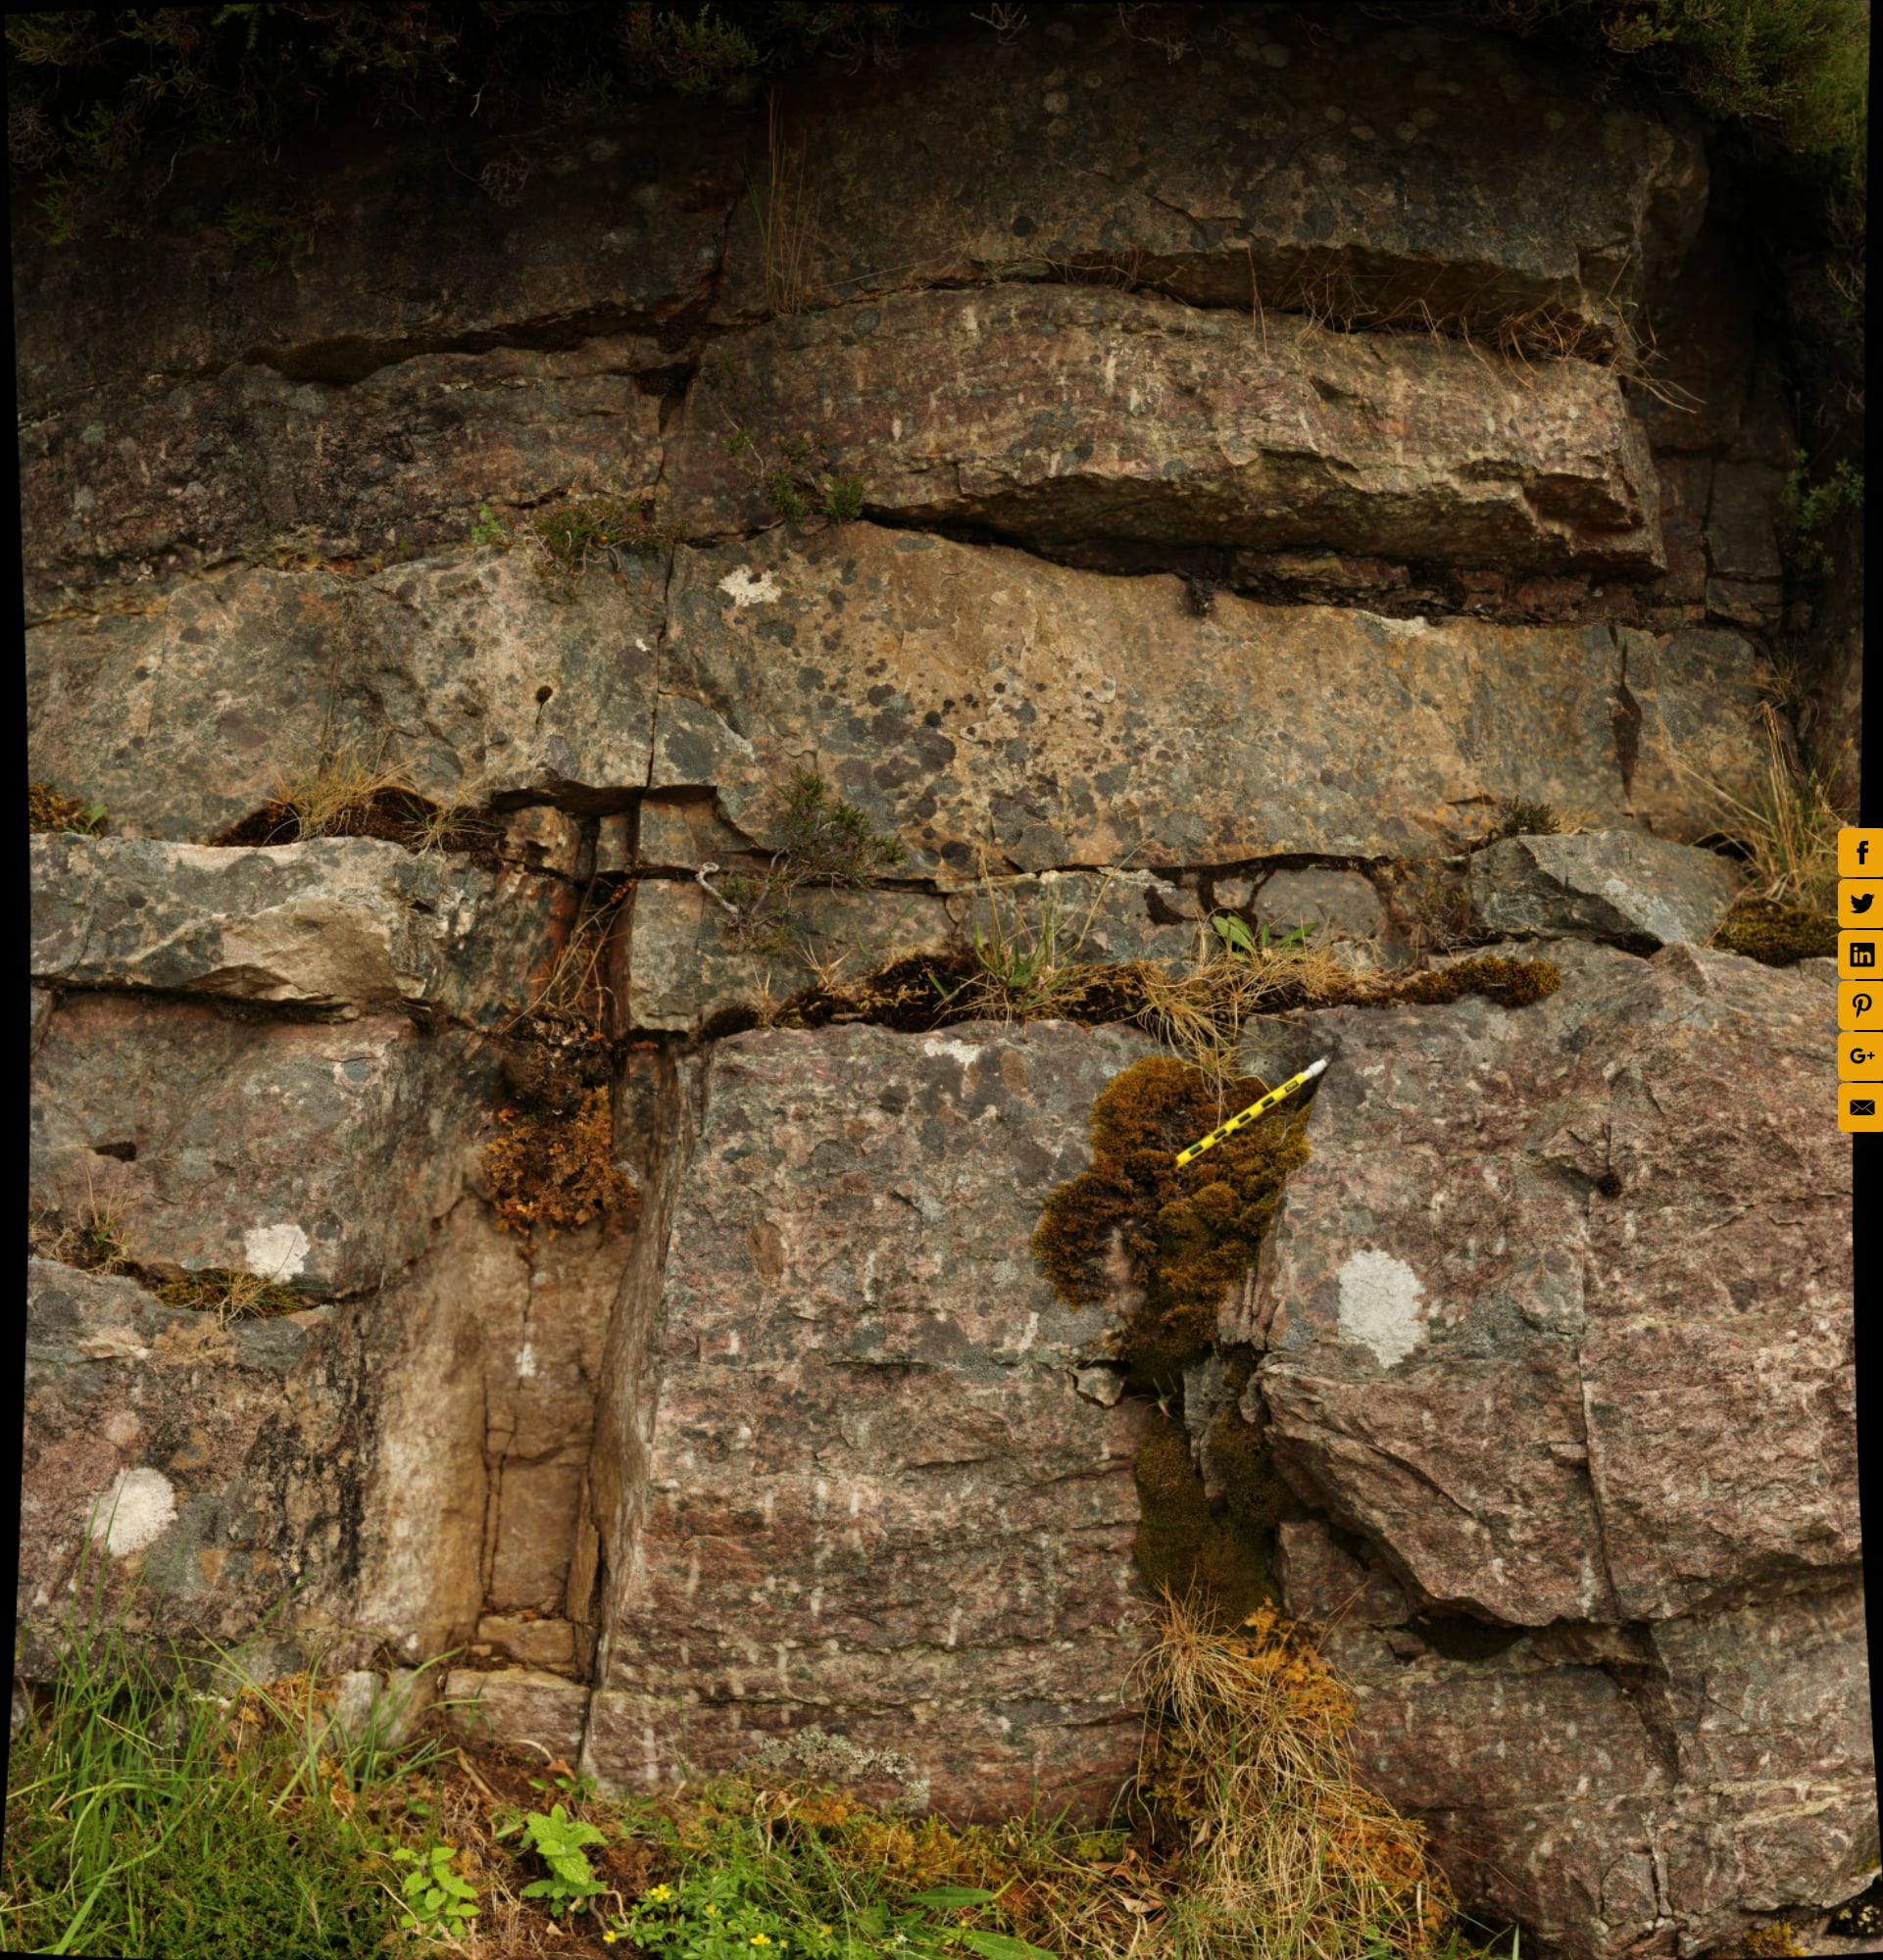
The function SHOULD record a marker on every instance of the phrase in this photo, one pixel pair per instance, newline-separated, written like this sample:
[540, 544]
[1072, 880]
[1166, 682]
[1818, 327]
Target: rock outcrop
[1245, 502]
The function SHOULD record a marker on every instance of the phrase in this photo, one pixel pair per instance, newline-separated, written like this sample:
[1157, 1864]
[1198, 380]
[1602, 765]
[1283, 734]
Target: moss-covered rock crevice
[1169, 1244]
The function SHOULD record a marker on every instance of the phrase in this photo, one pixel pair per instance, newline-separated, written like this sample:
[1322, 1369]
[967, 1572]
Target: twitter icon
[1856, 900]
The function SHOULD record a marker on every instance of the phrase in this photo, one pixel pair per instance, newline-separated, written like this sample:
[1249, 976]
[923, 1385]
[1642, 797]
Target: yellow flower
[759, 1939]
[659, 1894]
[608, 1938]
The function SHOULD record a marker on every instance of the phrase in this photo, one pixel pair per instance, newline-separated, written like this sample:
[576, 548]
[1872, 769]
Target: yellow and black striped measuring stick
[1247, 1116]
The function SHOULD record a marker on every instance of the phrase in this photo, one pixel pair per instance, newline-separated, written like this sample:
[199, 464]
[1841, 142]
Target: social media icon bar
[1860, 1058]
[1860, 979]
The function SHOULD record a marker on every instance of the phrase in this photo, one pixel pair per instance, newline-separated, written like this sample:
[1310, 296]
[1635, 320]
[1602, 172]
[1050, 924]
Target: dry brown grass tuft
[323, 799]
[1247, 1751]
[1787, 825]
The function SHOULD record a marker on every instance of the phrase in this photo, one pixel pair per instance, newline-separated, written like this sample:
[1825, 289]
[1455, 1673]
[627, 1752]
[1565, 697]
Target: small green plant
[1517, 819]
[842, 499]
[782, 492]
[435, 1898]
[713, 1914]
[269, 228]
[1807, 510]
[827, 842]
[489, 529]
[801, 475]
[49, 810]
[602, 529]
[1239, 942]
[560, 1842]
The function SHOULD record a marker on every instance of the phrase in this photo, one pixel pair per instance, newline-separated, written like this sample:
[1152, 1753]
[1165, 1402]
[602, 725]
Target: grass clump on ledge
[48, 808]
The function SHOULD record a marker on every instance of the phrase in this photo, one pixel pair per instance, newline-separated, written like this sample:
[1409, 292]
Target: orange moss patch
[555, 1170]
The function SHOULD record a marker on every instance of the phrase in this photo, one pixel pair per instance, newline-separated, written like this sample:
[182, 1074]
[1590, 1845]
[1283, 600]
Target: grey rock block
[1341, 902]
[1619, 884]
[346, 922]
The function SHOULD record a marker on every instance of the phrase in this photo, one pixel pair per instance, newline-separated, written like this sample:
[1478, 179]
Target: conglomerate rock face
[1252, 511]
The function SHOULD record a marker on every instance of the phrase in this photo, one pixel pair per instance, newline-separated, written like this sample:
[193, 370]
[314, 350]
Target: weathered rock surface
[972, 698]
[1058, 416]
[1620, 884]
[169, 474]
[1545, 1275]
[876, 1502]
[548, 251]
[467, 671]
[337, 922]
[315, 1154]
[1640, 1788]
[1324, 164]
[961, 714]
[1521, 1305]
[218, 1461]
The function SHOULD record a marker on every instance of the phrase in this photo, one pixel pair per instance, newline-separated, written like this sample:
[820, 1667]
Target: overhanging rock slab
[333, 922]
[1237, 158]
[469, 672]
[1061, 415]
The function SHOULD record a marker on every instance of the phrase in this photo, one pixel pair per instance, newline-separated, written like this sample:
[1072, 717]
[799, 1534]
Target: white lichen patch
[136, 1510]
[1380, 1305]
[276, 1251]
[745, 587]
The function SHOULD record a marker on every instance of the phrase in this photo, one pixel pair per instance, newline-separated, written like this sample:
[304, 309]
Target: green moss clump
[1256, 1497]
[1184, 1547]
[1777, 935]
[1185, 1236]
[1510, 983]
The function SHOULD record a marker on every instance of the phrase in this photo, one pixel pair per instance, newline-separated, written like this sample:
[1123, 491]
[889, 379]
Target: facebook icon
[1862, 849]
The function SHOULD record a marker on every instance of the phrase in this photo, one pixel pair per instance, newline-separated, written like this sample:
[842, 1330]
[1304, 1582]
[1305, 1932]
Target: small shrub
[49, 809]
[578, 534]
[841, 499]
[1517, 819]
[1807, 512]
[490, 529]
[269, 228]
[827, 842]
